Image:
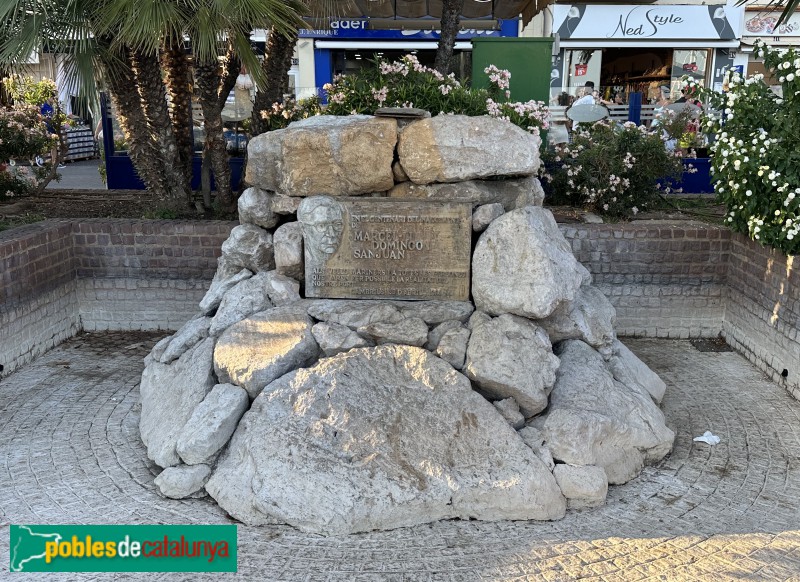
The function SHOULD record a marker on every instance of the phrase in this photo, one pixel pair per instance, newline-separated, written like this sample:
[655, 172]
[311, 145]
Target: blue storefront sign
[358, 29]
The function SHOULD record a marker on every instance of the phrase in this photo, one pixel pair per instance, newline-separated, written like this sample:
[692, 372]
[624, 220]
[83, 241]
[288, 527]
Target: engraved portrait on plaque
[382, 248]
[322, 220]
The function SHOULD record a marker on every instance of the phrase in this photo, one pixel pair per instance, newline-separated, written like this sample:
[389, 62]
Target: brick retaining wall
[762, 318]
[665, 279]
[58, 277]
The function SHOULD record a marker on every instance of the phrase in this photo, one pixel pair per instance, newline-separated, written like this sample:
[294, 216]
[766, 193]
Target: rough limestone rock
[594, 420]
[629, 370]
[330, 155]
[509, 409]
[334, 338]
[248, 297]
[158, 350]
[435, 335]
[250, 247]
[398, 173]
[511, 193]
[454, 148]
[589, 317]
[353, 313]
[186, 337]
[212, 423]
[288, 242]
[436, 311]
[281, 289]
[378, 438]
[255, 207]
[411, 331]
[534, 439]
[182, 481]
[484, 215]
[285, 204]
[511, 357]
[523, 265]
[452, 347]
[478, 318]
[169, 394]
[265, 346]
[220, 285]
[583, 486]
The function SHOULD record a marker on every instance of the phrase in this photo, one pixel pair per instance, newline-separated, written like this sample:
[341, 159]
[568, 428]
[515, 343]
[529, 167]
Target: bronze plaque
[381, 248]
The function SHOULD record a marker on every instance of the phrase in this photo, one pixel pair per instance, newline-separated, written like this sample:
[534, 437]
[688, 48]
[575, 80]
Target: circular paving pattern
[70, 453]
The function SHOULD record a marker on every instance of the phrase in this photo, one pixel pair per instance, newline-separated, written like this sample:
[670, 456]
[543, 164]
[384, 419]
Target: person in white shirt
[588, 97]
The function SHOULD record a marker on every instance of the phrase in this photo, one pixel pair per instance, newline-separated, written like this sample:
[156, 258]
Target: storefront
[760, 24]
[646, 49]
[348, 45]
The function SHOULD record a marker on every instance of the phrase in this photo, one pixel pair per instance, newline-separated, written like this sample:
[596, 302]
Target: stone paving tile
[70, 453]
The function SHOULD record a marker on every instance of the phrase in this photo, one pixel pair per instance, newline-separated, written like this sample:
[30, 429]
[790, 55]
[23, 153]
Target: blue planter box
[698, 182]
[120, 173]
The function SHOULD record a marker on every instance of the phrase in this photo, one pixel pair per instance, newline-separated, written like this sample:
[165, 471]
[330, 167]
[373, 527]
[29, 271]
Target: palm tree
[139, 51]
[451, 16]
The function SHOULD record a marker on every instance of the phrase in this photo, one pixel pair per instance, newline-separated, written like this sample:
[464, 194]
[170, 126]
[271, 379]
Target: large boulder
[511, 357]
[186, 337]
[511, 193]
[334, 338]
[378, 438]
[353, 313]
[411, 331]
[257, 350]
[169, 394]
[523, 265]
[435, 312]
[583, 486]
[255, 207]
[454, 148]
[212, 423]
[249, 246]
[246, 298]
[594, 420]
[223, 280]
[335, 156]
[628, 369]
[589, 317]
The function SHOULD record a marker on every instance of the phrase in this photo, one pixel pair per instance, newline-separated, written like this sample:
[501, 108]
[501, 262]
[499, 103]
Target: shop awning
[412, 9]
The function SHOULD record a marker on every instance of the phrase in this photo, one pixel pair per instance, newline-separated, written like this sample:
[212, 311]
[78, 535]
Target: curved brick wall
[666, 279]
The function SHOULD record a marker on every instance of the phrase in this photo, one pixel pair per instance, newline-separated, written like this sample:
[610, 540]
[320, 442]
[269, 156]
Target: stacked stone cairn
[340, 416]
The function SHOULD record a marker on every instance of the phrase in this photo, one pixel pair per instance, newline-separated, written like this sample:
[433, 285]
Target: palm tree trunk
[276, 64]
[142, 149]
[154, 102]
[179, 88]
[208, 85]
[451, 15]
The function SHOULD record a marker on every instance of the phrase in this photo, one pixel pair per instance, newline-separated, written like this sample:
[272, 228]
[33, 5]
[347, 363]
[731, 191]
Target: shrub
[408, 83]
[756, 161]
[609, 168]
[23, 137]
[282, 114]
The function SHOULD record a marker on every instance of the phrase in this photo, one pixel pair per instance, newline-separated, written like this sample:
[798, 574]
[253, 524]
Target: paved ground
[70, 453]
[81, 175]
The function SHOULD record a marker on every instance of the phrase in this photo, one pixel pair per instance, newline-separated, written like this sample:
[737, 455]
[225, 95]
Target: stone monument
[311, 389]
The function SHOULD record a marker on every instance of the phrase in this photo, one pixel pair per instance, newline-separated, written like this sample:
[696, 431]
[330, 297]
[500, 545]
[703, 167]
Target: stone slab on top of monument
[379, 248]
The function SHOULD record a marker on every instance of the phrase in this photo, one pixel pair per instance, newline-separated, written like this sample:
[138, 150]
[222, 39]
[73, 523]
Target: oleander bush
[408, 83]
[609, 168]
